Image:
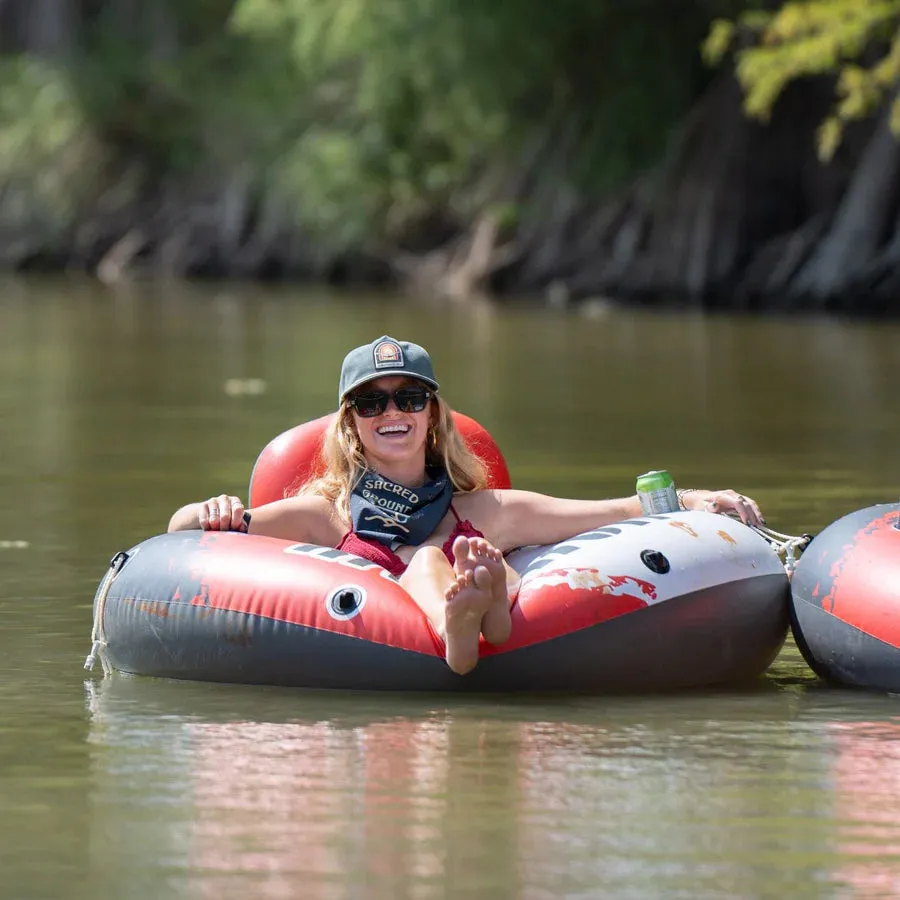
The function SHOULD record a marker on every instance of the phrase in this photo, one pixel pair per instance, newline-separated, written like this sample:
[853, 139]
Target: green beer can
[656, 491]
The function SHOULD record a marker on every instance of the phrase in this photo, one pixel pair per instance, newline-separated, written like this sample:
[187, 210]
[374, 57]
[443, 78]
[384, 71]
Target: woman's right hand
[222, 513]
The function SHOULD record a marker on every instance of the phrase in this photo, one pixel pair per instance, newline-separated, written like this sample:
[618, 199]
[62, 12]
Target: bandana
[392, 514]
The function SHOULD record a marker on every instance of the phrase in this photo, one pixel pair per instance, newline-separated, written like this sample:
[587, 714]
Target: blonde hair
[344, 461]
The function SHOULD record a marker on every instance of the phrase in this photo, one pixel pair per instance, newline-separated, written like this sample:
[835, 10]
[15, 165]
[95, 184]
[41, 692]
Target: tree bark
[860, 225]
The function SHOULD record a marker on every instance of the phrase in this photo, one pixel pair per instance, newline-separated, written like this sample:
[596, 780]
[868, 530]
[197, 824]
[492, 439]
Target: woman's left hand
[724, 502]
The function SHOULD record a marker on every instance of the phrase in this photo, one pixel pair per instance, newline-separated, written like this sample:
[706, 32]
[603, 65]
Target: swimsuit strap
[455, 513]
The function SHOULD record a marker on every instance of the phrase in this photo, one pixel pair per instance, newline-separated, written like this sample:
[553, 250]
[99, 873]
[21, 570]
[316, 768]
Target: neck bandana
[392, 514]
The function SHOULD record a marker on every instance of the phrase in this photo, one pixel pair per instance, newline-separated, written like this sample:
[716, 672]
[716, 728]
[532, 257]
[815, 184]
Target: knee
[429, 559]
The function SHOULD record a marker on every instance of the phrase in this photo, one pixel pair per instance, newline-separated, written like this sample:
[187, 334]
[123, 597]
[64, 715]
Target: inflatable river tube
[845, 600]
[665, 602]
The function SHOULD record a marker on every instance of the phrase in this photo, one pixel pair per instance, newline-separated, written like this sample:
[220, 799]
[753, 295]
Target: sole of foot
[469, 554]
[468, 599]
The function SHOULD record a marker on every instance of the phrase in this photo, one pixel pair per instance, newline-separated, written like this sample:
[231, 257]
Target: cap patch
[388, 355]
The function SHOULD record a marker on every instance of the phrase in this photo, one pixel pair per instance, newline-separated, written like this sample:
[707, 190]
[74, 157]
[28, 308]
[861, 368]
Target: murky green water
[117, 408]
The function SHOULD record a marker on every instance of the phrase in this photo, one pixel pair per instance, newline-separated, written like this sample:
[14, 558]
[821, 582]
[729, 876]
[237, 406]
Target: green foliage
[394, 126]
[196, 95]
[44, 165]
[416, 105]
[818, 37]
[366, 118]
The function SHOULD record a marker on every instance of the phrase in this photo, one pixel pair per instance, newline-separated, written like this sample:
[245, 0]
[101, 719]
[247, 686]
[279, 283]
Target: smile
[393, 429]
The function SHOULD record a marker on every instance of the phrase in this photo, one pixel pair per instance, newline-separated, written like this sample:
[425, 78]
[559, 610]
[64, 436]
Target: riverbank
[261, 141]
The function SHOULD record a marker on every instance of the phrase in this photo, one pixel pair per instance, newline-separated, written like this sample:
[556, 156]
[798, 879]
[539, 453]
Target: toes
[482, 578]
[461, 581]
[461, 555]
[482, 549]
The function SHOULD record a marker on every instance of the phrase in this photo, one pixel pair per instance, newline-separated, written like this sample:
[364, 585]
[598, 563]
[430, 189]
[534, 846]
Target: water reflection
[866, 777]
[385, 802]
[401, 797]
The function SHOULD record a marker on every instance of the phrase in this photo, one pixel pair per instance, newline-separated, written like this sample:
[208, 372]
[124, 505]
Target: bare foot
[471, 553]
[468, 599]
[496, 624]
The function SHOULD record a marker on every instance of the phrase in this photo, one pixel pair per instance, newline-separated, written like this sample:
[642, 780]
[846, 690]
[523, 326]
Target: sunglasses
[374, 403]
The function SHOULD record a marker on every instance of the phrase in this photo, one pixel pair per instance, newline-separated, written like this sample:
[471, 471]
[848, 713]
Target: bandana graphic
[392, 514]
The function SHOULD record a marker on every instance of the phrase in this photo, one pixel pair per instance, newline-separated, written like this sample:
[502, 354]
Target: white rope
[98, 639]
[785, 545]
[98, 636]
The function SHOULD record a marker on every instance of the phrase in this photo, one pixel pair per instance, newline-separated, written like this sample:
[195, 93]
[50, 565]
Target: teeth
[392, 429]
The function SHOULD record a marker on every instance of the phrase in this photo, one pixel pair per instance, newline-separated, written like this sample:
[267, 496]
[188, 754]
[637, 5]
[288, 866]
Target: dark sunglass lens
[372, 403]
[412, 399]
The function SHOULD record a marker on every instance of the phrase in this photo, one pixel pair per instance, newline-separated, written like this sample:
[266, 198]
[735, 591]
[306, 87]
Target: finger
[728, 505]
[237, 514]
[756, 516]
[748, 511]
[738, 504]
[203, 516]
[224, 504]
[214, 514]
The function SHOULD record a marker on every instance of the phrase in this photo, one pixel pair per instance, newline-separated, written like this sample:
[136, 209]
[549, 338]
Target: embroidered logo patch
[388, 355]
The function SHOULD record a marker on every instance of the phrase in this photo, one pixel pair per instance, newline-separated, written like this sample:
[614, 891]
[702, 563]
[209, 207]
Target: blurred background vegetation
[717, 152]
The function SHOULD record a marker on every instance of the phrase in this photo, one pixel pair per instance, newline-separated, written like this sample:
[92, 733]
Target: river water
[117, 407]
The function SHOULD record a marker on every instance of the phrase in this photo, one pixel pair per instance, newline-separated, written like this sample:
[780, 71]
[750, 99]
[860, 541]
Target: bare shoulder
[308, 517]
[481, 508]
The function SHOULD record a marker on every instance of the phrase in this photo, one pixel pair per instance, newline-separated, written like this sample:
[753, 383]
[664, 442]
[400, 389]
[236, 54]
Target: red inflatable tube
[653, 603]
[292, 458]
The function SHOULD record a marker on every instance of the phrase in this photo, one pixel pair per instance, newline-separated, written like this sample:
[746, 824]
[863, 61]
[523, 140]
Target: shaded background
[727, 153]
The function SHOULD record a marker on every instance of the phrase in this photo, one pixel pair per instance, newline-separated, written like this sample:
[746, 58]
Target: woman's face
[392, 436]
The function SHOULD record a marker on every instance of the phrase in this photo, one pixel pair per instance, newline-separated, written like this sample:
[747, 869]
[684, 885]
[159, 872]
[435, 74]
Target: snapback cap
[385, 356]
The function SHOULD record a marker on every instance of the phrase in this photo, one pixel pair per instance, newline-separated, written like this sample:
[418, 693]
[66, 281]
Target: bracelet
[680, 495]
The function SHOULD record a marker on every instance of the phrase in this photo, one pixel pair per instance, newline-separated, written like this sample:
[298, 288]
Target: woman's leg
[427, 579]
[455, 603]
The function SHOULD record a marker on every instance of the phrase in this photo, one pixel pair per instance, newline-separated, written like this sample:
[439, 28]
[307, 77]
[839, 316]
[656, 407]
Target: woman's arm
[520, 518]
[309, 519]
[526, 517]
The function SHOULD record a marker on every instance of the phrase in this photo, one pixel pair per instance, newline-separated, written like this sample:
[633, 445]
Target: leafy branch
[806, 38]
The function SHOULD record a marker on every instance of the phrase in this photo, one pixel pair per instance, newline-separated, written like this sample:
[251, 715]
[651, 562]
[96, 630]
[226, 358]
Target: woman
[401, 488]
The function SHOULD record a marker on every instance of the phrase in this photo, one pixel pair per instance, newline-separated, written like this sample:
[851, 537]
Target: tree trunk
[861, 222]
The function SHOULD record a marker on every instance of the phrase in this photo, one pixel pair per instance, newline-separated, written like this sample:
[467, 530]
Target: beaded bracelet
[680, 495]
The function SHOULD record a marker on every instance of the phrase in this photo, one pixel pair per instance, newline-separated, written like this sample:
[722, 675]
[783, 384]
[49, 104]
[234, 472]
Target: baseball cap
[385, 356]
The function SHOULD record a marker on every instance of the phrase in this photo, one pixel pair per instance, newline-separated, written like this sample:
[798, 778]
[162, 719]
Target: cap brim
[429, 381]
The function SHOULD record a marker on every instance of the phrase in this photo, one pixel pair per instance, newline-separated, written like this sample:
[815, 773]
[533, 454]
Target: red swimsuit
[377, 552]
